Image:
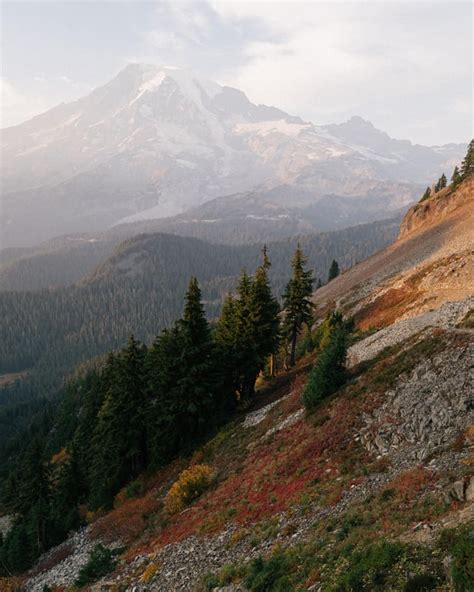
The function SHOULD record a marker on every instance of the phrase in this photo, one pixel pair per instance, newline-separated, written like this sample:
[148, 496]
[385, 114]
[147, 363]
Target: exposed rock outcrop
[426, 411]
[436, 208]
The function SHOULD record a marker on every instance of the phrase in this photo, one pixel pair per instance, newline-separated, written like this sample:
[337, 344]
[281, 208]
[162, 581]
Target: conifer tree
[328, 373]
[229, 346]
[67, 495]
[119, 440]
[333, 270]
[297, 302]
[34, 496]
[248, 361]
[426, 194]
[265, 311]
[197, 379]
[442, 181]
[164, 370]
[467, 166]
[456, 178]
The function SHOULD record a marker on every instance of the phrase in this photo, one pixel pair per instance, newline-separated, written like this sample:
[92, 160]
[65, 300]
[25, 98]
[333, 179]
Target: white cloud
[18, 105]
[404, 65]
[14, 105]
[392, 62]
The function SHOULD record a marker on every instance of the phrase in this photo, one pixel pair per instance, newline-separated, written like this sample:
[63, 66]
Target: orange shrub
[412, 482]
[190, 485]
[128, 521]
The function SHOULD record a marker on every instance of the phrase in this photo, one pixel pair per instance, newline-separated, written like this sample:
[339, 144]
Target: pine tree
[229, 346]
[333, 270]
[164, 370]
[69, 489]
[247, 359]
[426, 194]
[198, 379]
[297, 302]
[266, 264]
[119, 440]
[34, 496]
[456, 178]
[467, 166]
[328, 373]
[441, 183]
[247, 332]
[265, 311]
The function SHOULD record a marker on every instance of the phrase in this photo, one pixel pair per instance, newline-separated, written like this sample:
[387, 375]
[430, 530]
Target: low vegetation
[190, 485]
[340, 564]
[100, 563]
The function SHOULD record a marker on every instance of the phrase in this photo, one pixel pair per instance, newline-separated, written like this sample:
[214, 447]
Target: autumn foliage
[190, 485]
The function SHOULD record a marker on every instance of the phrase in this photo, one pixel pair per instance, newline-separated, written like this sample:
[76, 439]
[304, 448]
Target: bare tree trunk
[272, 365]
[294, 335]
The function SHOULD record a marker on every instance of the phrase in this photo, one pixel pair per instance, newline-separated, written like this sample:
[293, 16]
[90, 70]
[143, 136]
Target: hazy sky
[406, 66]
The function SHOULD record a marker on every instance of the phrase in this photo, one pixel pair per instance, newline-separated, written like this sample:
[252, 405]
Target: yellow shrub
[149, 572]
[190, 485]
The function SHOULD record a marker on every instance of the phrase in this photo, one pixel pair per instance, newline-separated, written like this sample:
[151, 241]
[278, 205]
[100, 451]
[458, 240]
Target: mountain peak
[356, 121]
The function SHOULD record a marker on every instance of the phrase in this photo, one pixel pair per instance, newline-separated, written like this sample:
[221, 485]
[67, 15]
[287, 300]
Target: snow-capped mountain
[157, 141]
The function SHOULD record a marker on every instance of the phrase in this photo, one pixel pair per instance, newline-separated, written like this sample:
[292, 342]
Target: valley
[371, 489]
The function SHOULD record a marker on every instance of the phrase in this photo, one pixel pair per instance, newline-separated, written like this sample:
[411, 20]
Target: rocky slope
[386, 461]
[438, 206]
[156, 141]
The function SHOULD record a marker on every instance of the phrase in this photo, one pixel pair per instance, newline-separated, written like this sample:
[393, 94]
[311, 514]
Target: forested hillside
[68, 259]
[144, 406]
[138, 290]
[52, 265]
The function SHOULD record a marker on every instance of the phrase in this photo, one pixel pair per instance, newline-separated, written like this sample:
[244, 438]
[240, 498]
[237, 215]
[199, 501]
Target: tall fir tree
[35, 495]
[297, 304]
[426, 194]
[229, 347]
[247, 360]
[164, 369]
[467, 166]
[265, 310]
[456, 178]
[333, 270]
[119, 440]
[68, 492]
[198, 379]
[328, 374]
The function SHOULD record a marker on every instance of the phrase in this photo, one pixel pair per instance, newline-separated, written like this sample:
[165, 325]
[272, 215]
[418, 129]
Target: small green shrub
[460, 546]
[369, 568]
[421, 583]
[210, 582]
[134, 489]
[350, 522]
[101, 562]
[269, 575]
[387, 494]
